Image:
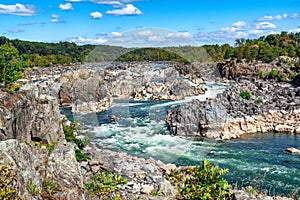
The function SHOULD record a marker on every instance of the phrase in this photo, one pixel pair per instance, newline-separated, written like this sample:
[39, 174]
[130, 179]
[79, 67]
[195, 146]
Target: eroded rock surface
[272, 107]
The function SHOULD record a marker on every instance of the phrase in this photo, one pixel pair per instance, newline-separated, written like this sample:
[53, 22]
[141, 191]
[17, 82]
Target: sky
[152, 22]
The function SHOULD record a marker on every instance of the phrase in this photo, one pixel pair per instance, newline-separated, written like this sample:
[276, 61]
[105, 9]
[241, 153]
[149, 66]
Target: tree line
[16, 55]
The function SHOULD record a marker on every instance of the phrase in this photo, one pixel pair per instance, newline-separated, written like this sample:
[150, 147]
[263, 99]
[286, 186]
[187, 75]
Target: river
[256, 159]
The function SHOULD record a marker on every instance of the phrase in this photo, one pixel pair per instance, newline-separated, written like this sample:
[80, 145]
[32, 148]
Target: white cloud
[55, 19]
[115, 34]
[146, 33]
[270, 17]
[256, 32]
[155, 38]
[294, 16]
[54, 16]
[106, 2]
[237, 26]
[17, 9]
[129, 9]
[83, 40]
[96, 15]
[179, 35]
[74, 0]
[67, 6]
[265, 26]
[295, 30]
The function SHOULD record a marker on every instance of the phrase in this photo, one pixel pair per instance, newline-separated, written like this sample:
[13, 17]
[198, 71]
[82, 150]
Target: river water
[256, 159]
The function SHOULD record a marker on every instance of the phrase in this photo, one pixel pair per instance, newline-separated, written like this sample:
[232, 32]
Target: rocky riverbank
[34, 146]
[271, 107]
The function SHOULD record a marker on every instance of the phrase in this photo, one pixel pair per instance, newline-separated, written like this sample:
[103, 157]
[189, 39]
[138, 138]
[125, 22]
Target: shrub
[245, 95]
[7, 178]
[81, 156]
[273, 74]
[50, 188]
[258, 100]
[32, 188]
[69, 131]
[13, 87]
[104, 185]
[201, 182]
[261, 74]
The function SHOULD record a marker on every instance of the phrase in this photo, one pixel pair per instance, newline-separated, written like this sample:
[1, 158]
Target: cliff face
[27, 117]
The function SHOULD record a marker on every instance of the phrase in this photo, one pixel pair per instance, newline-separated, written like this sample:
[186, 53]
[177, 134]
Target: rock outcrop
[236, 70]
[39, 169]
[26, 116]
[271, 107]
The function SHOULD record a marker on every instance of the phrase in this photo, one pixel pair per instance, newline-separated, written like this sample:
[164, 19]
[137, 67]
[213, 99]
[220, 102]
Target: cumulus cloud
[256, 32]
[55, 19]
[129, 9]
[155, 38]
[96, 15]
[277, 17]
[146, 33]
[237, 26]
[115, 34]
[67, 6]
[270, 17]
[179, 35]
[294, 16]
[84, 40]
[105, 2]
[265, 26]
[74, 0]
[17, 9]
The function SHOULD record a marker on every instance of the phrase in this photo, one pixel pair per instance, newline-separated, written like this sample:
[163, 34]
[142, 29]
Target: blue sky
[109, 21]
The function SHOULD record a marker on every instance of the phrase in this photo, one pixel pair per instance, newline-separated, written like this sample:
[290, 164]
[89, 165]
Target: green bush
[273, 74]
[261, 74]
[201, 182]
[258, 100]
[104, 184]
[81, 156]
[71, 137]
[245, 95]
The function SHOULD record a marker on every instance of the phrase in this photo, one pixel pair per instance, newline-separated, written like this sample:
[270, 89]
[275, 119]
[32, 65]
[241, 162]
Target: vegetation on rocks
[245, 95]
[7, 178]
[69, 131]
[105, 185]
[201, 182]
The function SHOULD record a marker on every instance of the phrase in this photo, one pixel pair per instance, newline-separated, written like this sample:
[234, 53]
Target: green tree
[11, 66]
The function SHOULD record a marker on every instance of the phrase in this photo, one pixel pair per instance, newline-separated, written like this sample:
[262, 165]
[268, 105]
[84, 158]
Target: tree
[11, 66]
